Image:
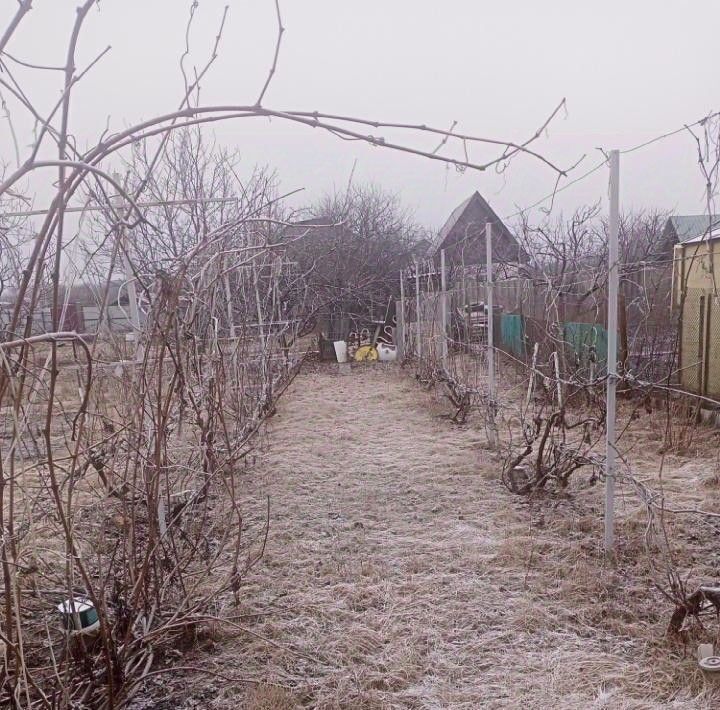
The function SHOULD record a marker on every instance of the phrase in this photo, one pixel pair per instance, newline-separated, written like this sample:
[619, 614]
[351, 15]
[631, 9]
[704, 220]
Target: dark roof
[468, 220]
[693, 227]
[452, 222]
[314, 222]
[422, 248]
[314, 225]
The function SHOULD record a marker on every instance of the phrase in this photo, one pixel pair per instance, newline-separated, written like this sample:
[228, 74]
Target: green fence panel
[589, 341]
[512, 334]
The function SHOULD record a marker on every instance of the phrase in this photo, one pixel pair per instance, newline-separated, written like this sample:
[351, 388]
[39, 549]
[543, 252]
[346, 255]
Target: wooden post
[418, 339]
[531, 380]
[444, 309]
[400, 325]
[706, 348]
[701, 345]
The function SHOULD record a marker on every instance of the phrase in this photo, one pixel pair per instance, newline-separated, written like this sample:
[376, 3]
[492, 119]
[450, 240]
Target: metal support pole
[400, 317]
[444, 309]
[132, 291]
[418, 341]
[490, 333]
[229, 305]
[612, 322]
[119, 206]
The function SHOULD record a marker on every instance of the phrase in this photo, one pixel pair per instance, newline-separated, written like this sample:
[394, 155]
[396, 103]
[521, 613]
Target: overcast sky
[629, 69]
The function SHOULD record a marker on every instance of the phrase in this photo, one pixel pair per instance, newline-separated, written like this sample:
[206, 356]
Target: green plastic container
[78, 615]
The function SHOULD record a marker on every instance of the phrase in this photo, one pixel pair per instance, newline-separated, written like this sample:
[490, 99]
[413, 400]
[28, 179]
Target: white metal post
[612, 322]
[228, 298]
[119, 205]
[490, 332]
[132, 290]
[418, 341]
[444, 309]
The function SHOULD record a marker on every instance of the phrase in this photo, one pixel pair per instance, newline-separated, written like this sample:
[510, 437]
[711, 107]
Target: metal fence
[444, 320]
[700, 343]
[75, 317]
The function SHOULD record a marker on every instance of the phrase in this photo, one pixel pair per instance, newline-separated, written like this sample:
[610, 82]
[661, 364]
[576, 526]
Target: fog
[629, 71]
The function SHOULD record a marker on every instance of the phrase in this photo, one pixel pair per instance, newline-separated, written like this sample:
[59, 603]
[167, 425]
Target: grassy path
[400, 574]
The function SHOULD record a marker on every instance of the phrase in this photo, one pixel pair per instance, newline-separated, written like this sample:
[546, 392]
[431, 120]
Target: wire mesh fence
[699, 341]
[547, 327]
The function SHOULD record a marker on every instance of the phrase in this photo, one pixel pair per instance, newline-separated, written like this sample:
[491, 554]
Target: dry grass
[401, 574]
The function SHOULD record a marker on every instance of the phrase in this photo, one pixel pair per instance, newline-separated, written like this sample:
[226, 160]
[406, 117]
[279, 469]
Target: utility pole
[490, 333]
[612, 324]
[444, 309]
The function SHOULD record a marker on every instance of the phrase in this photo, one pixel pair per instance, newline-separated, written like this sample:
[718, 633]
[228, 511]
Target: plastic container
[340, 350]
[78, 616]
[386, 353]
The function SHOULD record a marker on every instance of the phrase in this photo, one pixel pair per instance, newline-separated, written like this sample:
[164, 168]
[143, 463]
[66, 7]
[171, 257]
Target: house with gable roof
[463, 236]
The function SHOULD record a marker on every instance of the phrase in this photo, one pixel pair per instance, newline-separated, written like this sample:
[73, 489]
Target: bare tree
[353, 247]
[191, 187]
[122, 472]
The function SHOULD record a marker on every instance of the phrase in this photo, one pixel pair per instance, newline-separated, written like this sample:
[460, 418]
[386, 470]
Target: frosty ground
[399, 573]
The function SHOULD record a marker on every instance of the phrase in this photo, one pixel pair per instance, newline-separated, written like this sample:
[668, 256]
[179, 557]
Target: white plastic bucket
[340, 350]
[386, 353]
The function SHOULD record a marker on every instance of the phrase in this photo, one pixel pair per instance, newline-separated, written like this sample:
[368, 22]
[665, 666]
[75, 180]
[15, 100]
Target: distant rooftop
[451, 221]
[694, 227]
[466, 224]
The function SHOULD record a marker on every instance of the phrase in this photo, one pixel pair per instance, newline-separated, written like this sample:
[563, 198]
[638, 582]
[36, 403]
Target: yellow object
[366, 353]
[695, 264]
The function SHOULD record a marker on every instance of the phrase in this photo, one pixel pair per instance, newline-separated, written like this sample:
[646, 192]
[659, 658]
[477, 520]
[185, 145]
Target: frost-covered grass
[399, 573]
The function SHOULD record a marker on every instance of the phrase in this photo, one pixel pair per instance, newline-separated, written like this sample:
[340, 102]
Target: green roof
[694, 227]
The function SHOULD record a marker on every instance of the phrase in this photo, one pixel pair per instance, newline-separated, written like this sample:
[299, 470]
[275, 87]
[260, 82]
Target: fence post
[613, 284]
[623, 331]
[400, 332]
[118, 203]
[490, 334]
[418, 341]
[444, 309]
[706, 349]
[131, 289]
[531, 382]
[228, 298]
